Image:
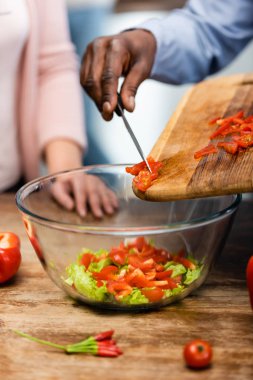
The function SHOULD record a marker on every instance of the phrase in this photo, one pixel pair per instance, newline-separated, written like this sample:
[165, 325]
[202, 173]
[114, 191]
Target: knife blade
[120, 112]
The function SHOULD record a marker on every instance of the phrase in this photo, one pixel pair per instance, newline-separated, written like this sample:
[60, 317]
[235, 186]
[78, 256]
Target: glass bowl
[157, 252]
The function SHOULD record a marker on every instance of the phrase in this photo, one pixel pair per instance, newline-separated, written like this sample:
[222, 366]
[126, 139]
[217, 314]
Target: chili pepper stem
[41, 341]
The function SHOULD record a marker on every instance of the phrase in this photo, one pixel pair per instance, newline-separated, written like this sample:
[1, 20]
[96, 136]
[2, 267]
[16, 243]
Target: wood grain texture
[152, 342]
[188, 131]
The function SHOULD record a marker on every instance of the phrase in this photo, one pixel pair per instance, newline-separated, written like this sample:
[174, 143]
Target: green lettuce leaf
[174, 292]
[192, 275]
[97, 267]
[84, 283]
[134, 298]
[176, 267]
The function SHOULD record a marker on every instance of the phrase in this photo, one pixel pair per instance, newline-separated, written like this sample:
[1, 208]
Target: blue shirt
[199, 39]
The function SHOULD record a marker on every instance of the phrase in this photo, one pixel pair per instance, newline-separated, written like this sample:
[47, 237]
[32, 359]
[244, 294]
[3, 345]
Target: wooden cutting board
[188, 131]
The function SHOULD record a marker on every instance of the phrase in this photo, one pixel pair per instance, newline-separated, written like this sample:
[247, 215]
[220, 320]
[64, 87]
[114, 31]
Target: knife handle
[119, 111]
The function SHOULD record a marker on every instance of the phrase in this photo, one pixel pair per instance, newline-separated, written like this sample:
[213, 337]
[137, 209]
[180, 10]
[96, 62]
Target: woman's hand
[82, 192]
[79, 191]
[130, 54]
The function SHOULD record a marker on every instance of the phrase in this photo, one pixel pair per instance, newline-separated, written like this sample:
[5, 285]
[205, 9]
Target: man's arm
[200, 39]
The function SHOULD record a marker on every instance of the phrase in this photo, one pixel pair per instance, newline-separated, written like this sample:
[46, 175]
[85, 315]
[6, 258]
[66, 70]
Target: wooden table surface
[152, 342]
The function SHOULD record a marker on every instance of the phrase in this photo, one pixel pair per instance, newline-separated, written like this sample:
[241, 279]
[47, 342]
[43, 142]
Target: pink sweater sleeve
[60, 108]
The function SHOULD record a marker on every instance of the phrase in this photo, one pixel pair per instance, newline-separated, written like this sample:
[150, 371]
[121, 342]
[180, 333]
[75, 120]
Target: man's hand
[129, 54]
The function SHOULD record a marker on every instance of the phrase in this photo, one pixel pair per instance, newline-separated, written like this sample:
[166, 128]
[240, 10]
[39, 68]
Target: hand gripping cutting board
[182, 176]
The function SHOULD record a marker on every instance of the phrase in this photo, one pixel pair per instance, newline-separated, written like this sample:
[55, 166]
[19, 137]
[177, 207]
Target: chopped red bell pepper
[143, 177]
[238, 127]
[229, 146]
[209, 149]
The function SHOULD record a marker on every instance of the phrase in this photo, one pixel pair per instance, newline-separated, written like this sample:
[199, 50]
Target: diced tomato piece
[138, 243]
[86, 259]
[187, 263]
[115, 286]
[100, 283]
[171, 284]
[135, 260]
[123, 293]
[137, 278]
[138, 262]
[159, 268]
[107, 273]
[177, 279]
[161, 256]
[153, 295]
[150, 275]
[163, 275]
[159, 283]
[118, 255]
[209, 149]
[229, 146]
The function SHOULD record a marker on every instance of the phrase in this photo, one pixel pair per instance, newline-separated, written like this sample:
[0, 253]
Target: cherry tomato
[198, 353]
[10, 256]
[249, 276]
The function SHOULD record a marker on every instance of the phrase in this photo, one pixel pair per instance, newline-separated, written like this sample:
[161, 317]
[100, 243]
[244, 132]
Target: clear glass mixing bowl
[194, 230]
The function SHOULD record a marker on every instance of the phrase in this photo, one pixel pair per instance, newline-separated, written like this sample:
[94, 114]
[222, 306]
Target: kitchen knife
[120, 112]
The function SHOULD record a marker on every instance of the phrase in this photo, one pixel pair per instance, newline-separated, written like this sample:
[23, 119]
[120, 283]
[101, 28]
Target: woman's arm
[60, 107]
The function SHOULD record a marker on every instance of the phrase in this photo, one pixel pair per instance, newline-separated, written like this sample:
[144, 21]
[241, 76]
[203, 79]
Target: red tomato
[10, 256]
[249, 277]
[153, 295]
[198, 353]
